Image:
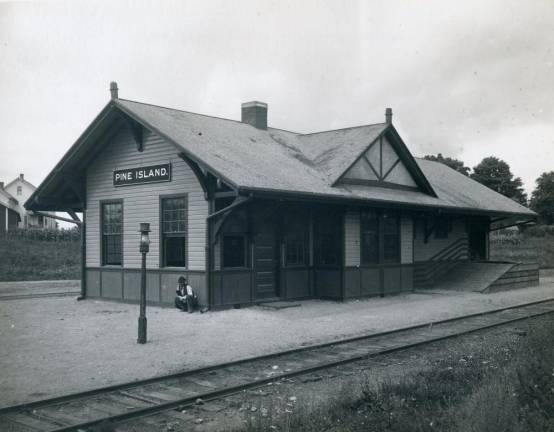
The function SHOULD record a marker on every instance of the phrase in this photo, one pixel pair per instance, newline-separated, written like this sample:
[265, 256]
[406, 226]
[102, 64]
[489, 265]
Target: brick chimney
[255, 114]
[1, 185]
[21, 177]
[114, 90]
[388, 116]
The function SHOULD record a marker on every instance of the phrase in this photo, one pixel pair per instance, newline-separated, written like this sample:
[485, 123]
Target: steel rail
[226, 391]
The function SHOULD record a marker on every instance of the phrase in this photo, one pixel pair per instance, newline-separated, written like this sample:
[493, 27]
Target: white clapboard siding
[141, 202]
[352, 238]
[406, 239]
[425, 251]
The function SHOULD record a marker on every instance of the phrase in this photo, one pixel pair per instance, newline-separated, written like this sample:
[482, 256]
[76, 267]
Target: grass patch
[506, 388]
[26, 258]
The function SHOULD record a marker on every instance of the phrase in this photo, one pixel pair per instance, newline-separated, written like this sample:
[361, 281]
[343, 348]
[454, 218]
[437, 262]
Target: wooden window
[369, 227]
[112, 233]
[174, 231]
[295, 249]
[295, 228]
[380, 237]
[234, 250]
[19, 190]
[391, 237]
[443, 227]
[327, 239]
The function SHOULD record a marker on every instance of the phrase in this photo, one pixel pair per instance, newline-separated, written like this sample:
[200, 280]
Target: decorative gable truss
[380, 163]
[387, 163]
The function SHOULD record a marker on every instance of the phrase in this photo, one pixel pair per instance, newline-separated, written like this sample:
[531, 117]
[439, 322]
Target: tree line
[497, 175]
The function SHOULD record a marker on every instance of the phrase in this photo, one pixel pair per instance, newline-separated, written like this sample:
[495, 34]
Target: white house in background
[20, 190]
[9, 211]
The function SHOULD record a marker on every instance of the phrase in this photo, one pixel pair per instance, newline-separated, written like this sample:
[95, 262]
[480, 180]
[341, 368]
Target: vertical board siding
[3, 218]
[425, 251]
[406, 239]
[141, 202]
[352, 238]
[217, 255]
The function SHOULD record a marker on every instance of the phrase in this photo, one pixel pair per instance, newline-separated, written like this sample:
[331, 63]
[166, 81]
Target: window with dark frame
[327, 240]
[112, 233]
[235, 241]
[174, 231]
[380, 237]
[442, 227]
[296, 226]
[369, 226]
[295, 249]
[391, 237]
[234, 250]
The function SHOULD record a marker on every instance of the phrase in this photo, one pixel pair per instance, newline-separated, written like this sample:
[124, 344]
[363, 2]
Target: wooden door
[478, 233]
[266, 261]
[478, 244]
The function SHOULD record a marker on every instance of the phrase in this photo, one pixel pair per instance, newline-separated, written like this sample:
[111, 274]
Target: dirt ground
[54, 346]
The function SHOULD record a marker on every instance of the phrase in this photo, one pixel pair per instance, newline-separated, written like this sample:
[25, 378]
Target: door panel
[265, 261]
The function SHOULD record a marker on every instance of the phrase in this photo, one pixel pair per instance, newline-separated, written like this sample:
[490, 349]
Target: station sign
[147, 174]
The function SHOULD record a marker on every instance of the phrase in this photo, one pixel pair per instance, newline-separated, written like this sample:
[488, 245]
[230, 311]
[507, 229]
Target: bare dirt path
[55, 346]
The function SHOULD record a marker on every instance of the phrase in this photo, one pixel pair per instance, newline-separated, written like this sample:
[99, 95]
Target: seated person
[186, 298]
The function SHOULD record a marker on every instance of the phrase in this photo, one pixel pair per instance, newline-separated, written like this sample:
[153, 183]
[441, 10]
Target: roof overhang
[55, 193]
[65, 186]
[359, 201]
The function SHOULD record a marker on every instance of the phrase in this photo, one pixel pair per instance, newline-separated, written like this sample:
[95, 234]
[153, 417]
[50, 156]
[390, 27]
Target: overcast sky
[468, 79]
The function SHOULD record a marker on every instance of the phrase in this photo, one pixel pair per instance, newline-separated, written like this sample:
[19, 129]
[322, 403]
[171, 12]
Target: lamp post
[144, 247]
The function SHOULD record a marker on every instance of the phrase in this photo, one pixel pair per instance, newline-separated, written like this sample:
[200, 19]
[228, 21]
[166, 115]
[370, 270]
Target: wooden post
[83, 259]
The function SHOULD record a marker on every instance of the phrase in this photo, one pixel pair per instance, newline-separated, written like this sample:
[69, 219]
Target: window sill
[236, 268]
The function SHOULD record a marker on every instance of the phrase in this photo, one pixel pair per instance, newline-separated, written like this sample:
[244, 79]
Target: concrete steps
[473, 276]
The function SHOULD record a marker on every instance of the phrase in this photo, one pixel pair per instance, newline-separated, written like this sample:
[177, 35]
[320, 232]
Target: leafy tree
[496, 175]
[542, 198]
[456, 164]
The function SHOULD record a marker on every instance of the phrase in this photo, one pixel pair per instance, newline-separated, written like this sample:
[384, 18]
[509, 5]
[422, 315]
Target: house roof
[275, 161]
[20, 180]
[8, 200]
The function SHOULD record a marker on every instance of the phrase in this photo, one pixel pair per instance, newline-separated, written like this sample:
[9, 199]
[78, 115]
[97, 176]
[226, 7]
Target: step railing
[427, 273]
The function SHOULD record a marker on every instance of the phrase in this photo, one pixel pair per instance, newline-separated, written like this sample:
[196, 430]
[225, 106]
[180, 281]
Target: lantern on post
[144, 248]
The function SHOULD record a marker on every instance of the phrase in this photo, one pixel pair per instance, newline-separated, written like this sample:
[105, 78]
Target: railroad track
[38, 295]
[119, 403]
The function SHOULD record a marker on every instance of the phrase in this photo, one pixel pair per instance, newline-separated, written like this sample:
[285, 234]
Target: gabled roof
[8, 200]
[275, 161]
[334, 151]
[20, 180]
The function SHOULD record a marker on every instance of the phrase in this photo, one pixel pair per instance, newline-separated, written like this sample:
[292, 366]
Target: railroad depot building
[251, 213]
